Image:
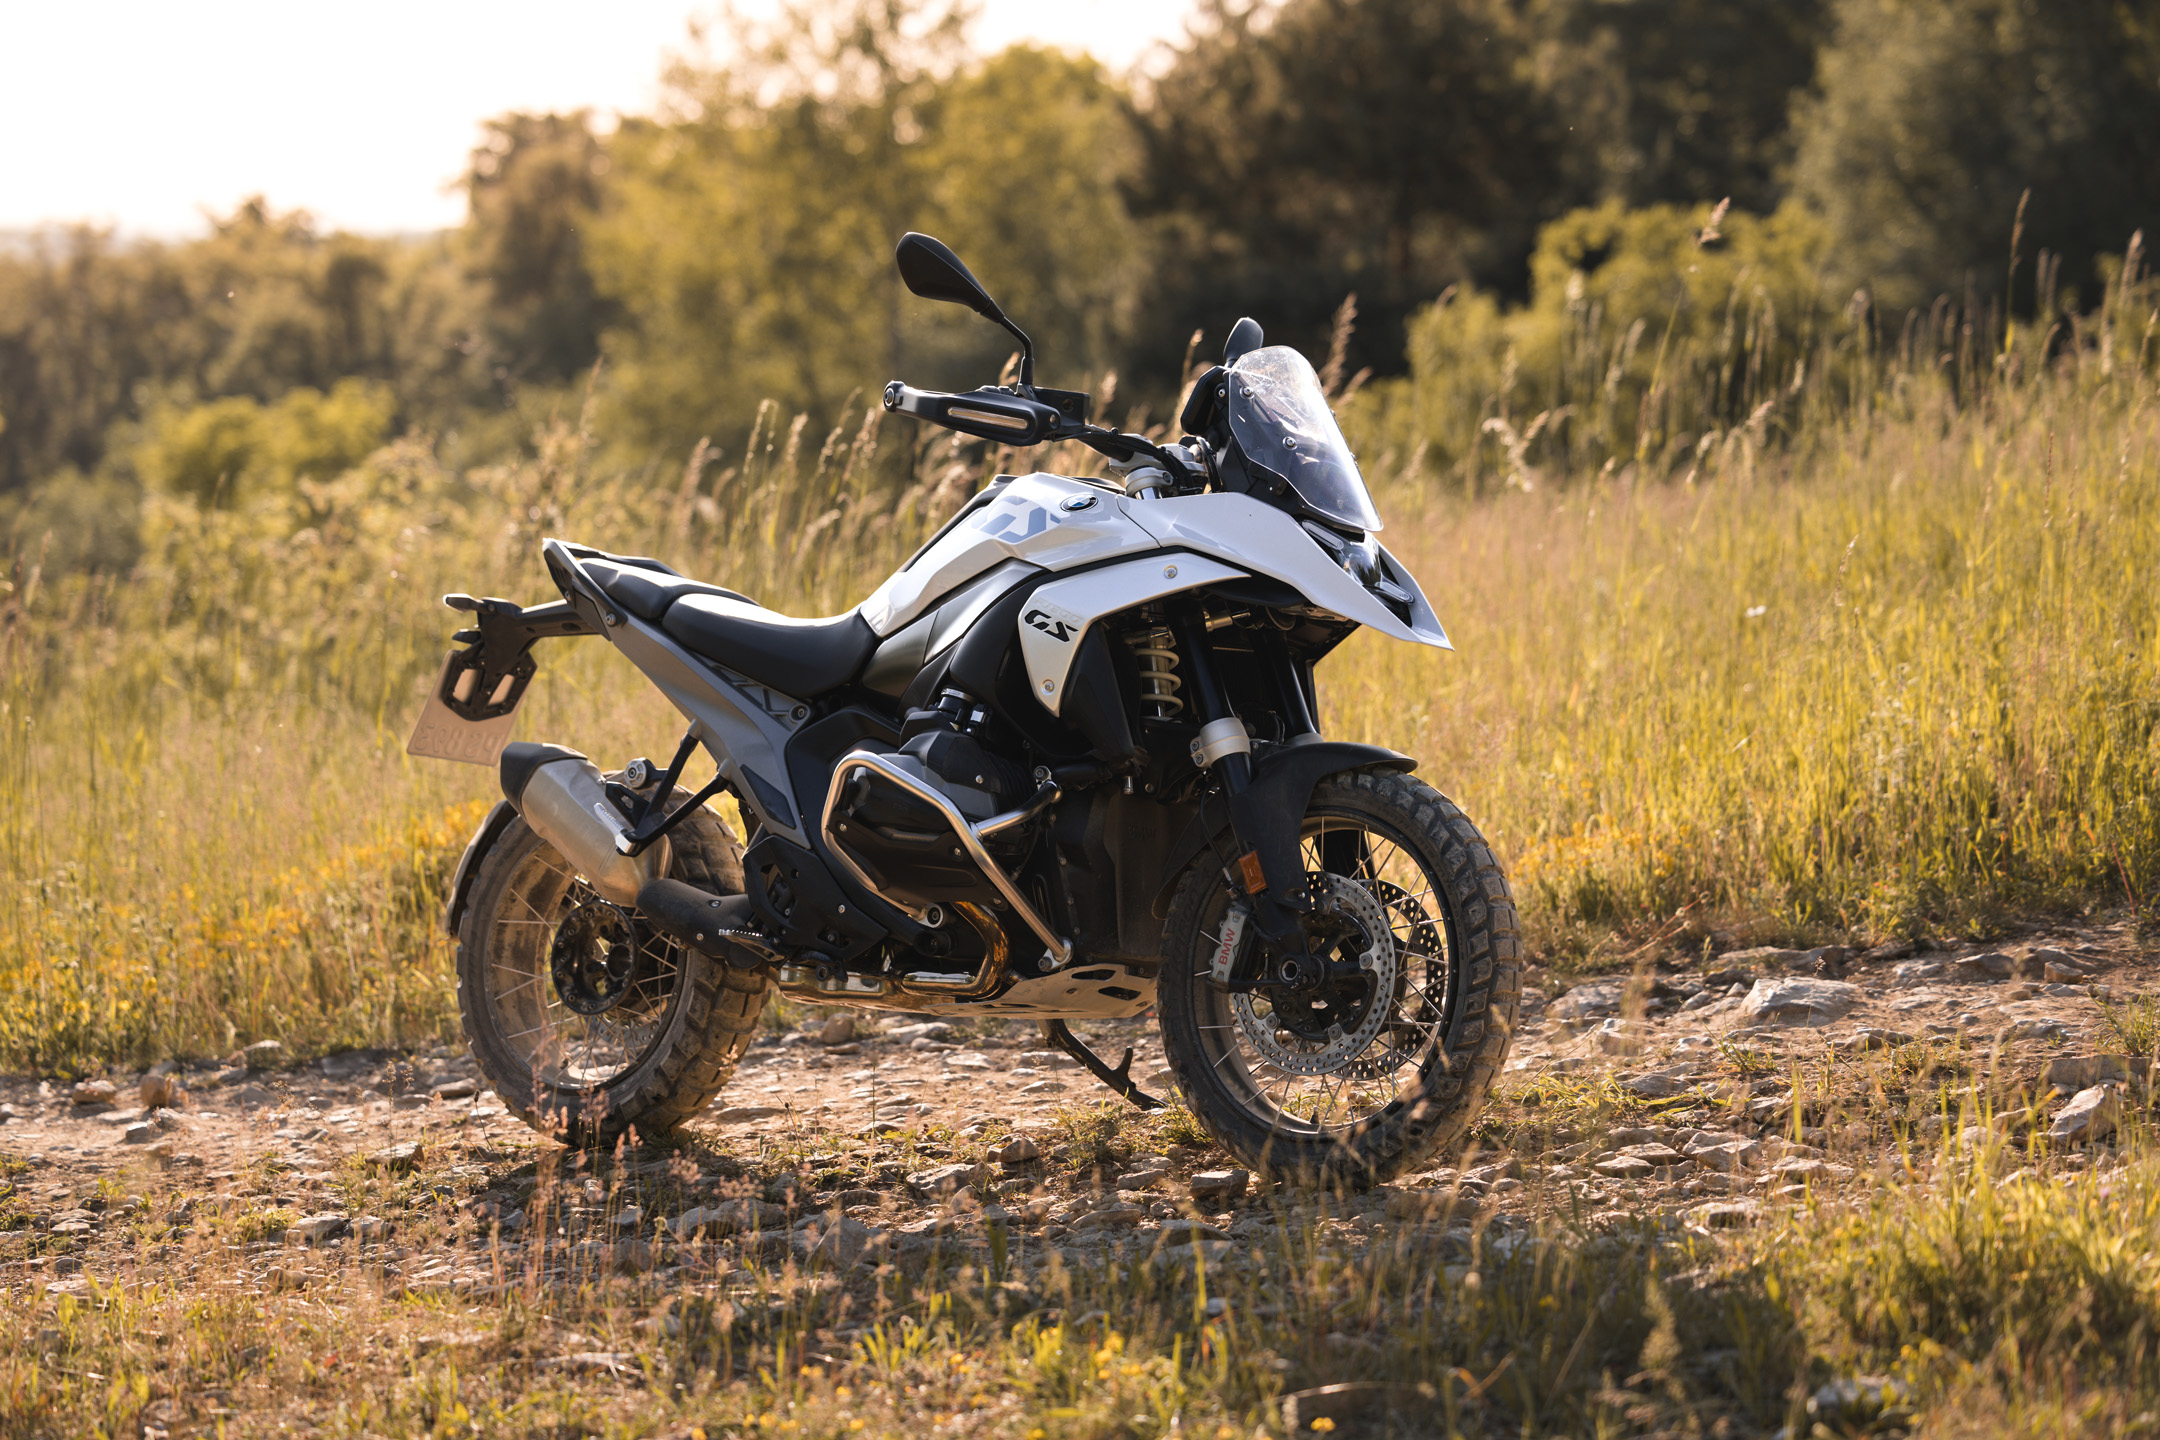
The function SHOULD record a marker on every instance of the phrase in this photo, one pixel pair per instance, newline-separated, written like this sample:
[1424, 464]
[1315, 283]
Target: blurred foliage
[1934, 117]
[1506, 187]
[750, 239]
[237, 446]
[1647, 333]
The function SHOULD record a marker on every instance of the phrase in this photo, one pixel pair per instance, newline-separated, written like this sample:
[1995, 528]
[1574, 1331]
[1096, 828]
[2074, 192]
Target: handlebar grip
[986, 414]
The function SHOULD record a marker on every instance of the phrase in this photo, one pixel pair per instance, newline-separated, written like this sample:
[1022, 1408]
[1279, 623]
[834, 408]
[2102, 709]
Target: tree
[1683, 101]
[1933, 117]
[749, 236]
[1300, 151]
[533, 186]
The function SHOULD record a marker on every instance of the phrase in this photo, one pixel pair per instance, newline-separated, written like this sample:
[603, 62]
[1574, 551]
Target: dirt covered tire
[1450, 1029]
[689, 1039]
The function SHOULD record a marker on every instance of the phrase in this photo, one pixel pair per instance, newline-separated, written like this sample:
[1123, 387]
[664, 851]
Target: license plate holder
[441, 734]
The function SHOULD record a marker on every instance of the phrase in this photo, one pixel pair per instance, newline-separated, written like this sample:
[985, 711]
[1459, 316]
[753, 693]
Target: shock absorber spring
[1156, 650]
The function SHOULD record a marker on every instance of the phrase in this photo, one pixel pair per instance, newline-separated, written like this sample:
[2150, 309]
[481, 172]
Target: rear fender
[483, 840]
[1270, 810]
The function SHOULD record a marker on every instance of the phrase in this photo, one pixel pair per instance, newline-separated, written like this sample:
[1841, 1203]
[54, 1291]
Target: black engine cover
[907, 845]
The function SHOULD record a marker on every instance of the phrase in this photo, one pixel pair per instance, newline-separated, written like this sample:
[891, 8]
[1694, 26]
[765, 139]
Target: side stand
[1120, 1079]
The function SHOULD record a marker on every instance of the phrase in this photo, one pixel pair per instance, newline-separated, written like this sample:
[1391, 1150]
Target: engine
[908, 819]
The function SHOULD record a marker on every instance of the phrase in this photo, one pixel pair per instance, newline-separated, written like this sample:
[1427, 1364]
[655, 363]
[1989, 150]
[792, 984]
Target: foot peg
[715, 925]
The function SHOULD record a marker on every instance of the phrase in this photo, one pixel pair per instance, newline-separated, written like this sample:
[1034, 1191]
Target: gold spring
[1156, 651]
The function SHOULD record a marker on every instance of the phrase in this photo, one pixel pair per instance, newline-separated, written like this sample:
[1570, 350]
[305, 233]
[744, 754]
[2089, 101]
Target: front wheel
[1359, 1078]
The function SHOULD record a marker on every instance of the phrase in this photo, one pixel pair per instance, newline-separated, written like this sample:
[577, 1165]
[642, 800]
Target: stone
[593, 1362]
[1017, 1151]
[455, 1087]
[1108, 1217]
[1992, 965]
[1760, 956]
[2092, 1114]
[838, 1243]
[1145, 1177]
[838, 1030]
[1633, 1135]
[2039, 1030]
[2036, 962]
[927, 1030]
[1862, 1401]
[1620, 1037]
[1219, 1186]
[317, 1229]
[1800, 1170]
[1799, 1002]
[1726, 1214]
[368, 1228]
[2072, 1073]
[94, 1092]
[1917, 972]
[1655, 1154]
[1725, 1157]
[751, 1214]
[139, 1134]
[1624, 1167]
[1656, 1085]
[160, 1091]
[1587, 1002]
[945, 1179]
[629, 1218]
[405, 1155]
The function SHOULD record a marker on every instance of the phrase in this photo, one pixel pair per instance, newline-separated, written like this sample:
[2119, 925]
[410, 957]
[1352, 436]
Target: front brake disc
[1293, 1054]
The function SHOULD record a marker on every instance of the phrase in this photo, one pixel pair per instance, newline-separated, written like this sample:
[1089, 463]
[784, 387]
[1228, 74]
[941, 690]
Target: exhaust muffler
[560, 793]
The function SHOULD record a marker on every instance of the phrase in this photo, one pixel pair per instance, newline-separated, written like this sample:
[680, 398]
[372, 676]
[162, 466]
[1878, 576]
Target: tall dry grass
[1891, 669]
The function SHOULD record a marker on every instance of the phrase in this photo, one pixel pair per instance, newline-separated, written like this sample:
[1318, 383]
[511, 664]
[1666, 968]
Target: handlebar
[1026, 415]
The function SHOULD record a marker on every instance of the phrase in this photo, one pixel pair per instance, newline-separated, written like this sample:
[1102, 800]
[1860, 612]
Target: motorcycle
[1065, 764]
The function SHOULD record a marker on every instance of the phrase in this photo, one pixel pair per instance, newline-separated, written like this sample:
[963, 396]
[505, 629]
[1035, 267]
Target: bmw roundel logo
[1077, 502]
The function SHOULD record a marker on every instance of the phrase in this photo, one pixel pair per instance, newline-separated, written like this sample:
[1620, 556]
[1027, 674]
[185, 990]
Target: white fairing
[1056, 523]
[1266, 541]
[1027, 521]
[1058, 614]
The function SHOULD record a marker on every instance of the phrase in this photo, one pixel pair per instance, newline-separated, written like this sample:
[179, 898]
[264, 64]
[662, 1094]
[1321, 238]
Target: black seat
[799, 657]
[647, 590]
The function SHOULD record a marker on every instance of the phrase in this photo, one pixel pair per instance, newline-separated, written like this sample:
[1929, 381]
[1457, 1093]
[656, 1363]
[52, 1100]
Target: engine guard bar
[970, 835]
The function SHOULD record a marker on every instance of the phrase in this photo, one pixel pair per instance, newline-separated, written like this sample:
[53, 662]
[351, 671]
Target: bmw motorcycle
[1064, 765]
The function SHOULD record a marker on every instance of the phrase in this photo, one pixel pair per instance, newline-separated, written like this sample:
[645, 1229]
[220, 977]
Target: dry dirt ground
[1693, 1095]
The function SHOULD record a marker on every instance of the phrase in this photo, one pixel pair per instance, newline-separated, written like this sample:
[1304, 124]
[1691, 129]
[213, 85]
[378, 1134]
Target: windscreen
[1282, 422]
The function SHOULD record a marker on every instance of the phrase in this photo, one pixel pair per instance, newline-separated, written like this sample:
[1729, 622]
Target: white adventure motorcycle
[1065, 764]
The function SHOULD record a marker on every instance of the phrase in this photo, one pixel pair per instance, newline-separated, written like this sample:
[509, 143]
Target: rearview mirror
[932, 271]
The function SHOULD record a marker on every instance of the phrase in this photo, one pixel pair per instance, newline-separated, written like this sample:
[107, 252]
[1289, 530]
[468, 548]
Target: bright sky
[143, 114]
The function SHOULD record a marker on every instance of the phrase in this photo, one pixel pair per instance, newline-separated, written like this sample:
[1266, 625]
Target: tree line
[680, 268]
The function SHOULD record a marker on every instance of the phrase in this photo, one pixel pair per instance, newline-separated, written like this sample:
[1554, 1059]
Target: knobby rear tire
[710, 1020]
[1484, 987]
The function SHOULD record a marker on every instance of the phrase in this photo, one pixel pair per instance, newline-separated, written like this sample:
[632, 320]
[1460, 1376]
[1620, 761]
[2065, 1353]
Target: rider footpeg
[715, 925]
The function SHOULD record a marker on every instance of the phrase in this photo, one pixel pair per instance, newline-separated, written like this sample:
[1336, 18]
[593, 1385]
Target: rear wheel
[1360, 1078]
[585, 1019]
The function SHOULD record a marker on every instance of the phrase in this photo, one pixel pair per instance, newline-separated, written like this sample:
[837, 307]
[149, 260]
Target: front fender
[483, 840]
[1271, 808]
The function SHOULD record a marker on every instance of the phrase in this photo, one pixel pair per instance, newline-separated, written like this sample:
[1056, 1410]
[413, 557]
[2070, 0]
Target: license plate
[442, 735]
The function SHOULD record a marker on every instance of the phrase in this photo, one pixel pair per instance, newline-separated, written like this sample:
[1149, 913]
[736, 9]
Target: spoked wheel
[583, 1017]
[1356, 1073]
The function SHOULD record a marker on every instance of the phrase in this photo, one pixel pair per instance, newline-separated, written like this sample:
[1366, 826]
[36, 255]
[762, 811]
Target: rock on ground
[2091, 1115]
[1799, 1002]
